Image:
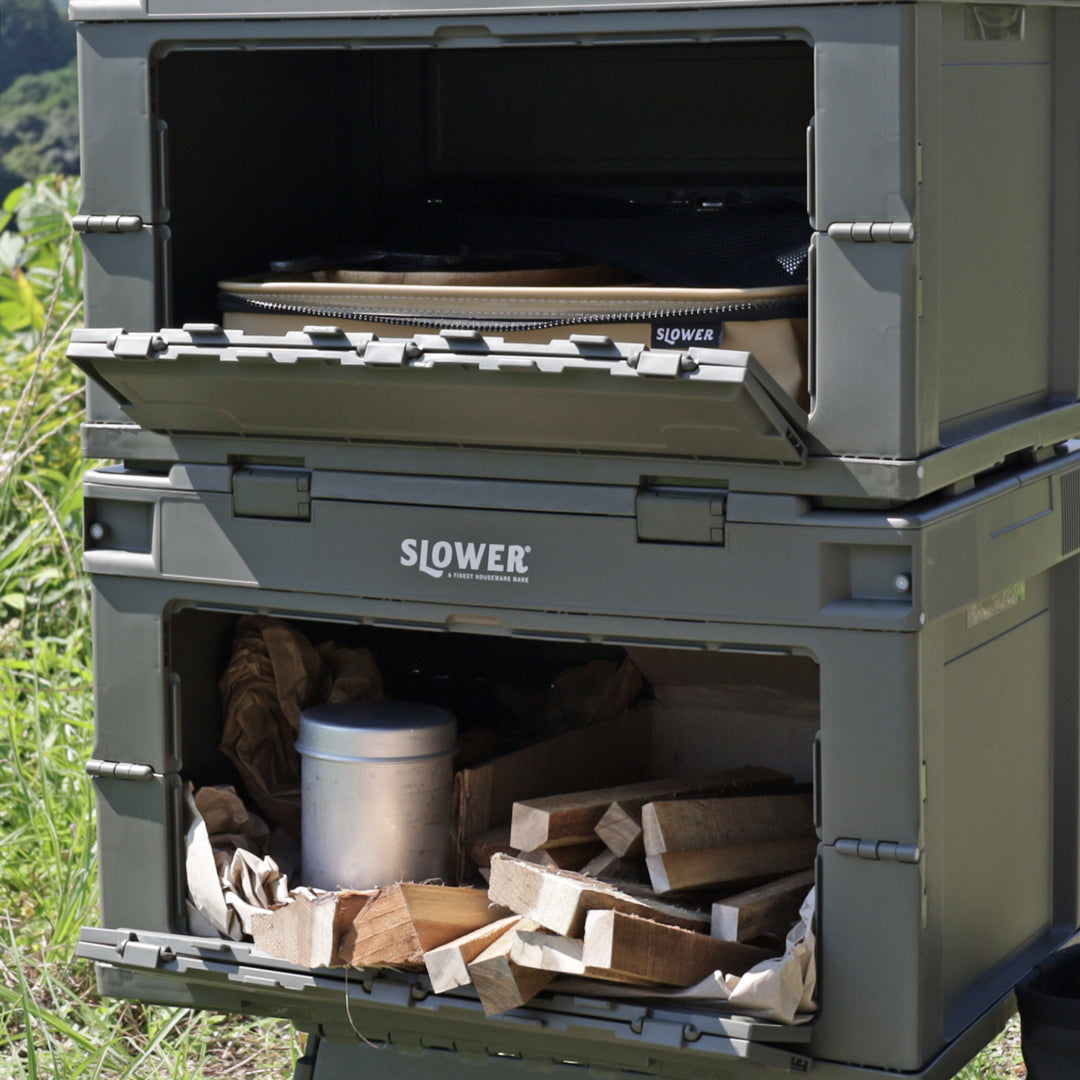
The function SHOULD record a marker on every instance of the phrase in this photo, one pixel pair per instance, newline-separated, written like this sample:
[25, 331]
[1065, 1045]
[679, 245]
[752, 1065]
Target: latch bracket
[262, 491]
[682, 516]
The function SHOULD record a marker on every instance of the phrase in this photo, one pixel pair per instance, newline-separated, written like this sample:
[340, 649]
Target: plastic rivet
[902, 583]
[98, 531]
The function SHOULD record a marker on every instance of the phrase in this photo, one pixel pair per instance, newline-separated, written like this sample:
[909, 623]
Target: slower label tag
[685, 335]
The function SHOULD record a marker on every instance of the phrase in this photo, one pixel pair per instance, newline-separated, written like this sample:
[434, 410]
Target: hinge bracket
[272, 492]
[106, 223]
[871, 232]
[879, 850]
[119, 770]
[682, 516]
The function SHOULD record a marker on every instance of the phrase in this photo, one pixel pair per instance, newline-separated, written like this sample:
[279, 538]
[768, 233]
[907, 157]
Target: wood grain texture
[629, 949]
[499, 982]
[682, 824]
[675, 871]
[308, 931]
[447, 965]
[403, 921]
[769, 909]
[571, 857]
[558, 899]
[559, 820]
[616, 751]
[620, 830]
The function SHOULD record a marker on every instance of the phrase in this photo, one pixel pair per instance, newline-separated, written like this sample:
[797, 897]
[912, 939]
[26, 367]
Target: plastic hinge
[879, 850]
[140, 954]
[137, 346]
[119, 770]
[106, 223]
[390, 353]
[869, 232]
[660, 363]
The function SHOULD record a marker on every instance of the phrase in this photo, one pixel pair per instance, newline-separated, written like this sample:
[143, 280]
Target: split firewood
[308, 930]
[559, 899]
[544, 951]
[626, 948]
[573, 857]
[502, 984]
[682, 824]
[447, 965]
[608, 867]
[620, 829]
[481, 847]
[401, 922]
[676, 871]
[561, 820]
[768, 909]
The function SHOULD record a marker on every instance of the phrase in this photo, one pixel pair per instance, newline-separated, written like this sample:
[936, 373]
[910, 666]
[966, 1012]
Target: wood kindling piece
[682, 824]
[620, 829]
[559, 899]
[560, 820]
[502, 984]
[482, 846]
[447, 965]
[402, 921]
[675, 871]
[308, 930]
[608, 867]
[626, 948]
[572, 857]
[768, 909]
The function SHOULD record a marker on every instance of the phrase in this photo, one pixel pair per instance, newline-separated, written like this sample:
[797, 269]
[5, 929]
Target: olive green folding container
[864, 575]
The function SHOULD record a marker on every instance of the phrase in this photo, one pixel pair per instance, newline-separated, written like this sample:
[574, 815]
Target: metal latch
[682, 515]
[871, 232]
[118, 770]
[879, 850]
[263, 491]
[106, 223]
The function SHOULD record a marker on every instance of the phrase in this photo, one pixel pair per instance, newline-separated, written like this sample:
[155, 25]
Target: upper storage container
[911, 164]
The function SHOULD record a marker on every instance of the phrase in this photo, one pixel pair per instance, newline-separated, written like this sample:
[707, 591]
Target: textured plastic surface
[583, 394]
[993, 580]
[916, 345]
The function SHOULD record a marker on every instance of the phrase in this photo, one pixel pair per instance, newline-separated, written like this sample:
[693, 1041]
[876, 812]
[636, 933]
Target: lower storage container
[916, 669]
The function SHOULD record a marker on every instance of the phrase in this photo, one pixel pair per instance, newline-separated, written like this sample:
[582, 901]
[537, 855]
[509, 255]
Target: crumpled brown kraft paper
[274, 674]
[227, 881]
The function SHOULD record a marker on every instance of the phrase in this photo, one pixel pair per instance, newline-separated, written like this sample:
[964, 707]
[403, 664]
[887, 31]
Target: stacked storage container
[898, 537]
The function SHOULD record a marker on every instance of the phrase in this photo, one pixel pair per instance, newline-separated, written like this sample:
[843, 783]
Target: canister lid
[376, 731]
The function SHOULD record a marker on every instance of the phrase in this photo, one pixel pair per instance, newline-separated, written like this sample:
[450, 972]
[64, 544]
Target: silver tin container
[376, 781]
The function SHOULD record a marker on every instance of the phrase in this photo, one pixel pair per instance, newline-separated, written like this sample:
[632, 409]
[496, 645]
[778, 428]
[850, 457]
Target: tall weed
[51, 1023]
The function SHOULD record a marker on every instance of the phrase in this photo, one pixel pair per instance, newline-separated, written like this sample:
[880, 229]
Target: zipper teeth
[433, 320]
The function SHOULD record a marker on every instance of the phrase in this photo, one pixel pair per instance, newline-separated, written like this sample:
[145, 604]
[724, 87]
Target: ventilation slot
[1070, 512]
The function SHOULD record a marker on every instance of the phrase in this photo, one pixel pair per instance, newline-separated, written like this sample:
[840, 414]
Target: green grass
[52, 1025]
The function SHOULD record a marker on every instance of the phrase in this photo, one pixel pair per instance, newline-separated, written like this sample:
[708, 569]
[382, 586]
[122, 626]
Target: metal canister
[376, 781]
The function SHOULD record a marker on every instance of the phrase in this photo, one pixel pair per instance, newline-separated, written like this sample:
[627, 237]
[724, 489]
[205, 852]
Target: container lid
[376, 731]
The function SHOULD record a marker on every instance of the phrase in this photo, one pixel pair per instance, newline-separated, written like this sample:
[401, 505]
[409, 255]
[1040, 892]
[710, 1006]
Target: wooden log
[625, 948]
[614, 752]
[559, 899]
[499, 982]
[481, 847]
[768, 909]
[447, 965]
[675, 871]
[560, 820]
[620, 829]
[403, 921]
[573, 857]
[683, 824]
[544, 951]
[308, 931]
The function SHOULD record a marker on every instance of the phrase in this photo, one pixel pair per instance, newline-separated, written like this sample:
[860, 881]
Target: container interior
[693, 712]
[677, 164]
